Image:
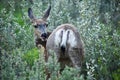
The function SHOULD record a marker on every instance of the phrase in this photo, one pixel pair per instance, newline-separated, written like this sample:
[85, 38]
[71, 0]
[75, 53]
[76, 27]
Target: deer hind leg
[75, 57]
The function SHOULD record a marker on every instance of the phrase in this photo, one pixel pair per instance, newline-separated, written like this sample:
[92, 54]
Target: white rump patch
[57, 37]
[71, 39]
[64, 38]
[68, 36]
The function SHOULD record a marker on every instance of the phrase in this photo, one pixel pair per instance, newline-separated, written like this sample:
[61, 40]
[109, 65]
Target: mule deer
[67, 44]
[40, 25]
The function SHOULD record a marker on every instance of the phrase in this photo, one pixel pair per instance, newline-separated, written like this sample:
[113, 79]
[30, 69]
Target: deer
[65, 41]
[40, 26]
[67, 46]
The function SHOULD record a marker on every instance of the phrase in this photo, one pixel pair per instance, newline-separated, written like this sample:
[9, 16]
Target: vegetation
[98, 22]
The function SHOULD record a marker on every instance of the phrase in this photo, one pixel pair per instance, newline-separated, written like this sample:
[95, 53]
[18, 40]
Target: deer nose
[44, 35]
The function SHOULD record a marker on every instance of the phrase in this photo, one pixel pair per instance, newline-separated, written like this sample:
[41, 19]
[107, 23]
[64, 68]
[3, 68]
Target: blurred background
[98, 22]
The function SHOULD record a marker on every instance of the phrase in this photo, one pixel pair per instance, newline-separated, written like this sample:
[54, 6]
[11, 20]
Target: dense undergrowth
[21, 60]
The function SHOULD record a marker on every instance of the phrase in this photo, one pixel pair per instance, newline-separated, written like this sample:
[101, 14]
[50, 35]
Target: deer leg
[75, 58]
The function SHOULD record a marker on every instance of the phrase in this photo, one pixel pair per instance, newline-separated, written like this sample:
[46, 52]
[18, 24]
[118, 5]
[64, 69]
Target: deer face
[40, 28]
[40, 25]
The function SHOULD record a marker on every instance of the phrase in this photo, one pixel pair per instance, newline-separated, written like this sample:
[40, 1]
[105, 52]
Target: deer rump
[65, 41]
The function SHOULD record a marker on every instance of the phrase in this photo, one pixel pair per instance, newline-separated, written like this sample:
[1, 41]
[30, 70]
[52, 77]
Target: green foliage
[68, 73]
[20, 60]
[30, 56]
[12, 66]
[116, 75]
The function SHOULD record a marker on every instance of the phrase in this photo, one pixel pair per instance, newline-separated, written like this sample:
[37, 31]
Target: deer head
[39, 24]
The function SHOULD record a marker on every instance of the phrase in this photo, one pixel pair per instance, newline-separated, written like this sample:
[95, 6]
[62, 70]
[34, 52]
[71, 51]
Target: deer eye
[35, 26]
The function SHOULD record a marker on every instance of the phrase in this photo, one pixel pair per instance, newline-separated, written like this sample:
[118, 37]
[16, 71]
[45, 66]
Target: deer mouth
[44, 37]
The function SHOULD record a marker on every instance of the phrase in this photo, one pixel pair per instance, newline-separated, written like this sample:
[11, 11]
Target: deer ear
[47, 13]
[30, 13]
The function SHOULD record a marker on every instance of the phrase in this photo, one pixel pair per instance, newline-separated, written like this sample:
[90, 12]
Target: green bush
[30, 56]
